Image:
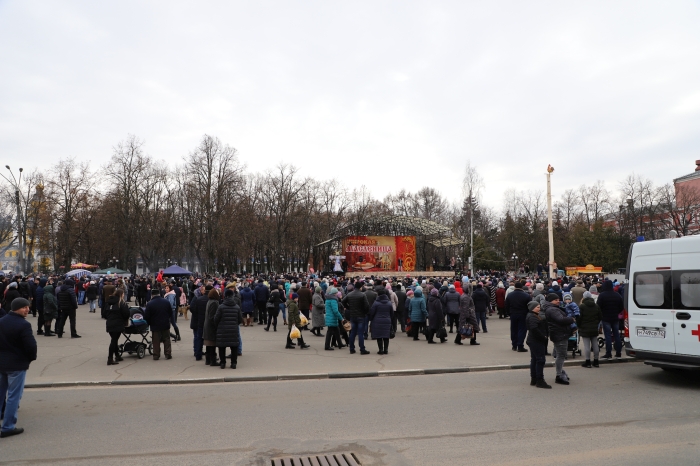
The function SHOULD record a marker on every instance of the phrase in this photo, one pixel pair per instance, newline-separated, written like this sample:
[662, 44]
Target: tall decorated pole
[550, 230]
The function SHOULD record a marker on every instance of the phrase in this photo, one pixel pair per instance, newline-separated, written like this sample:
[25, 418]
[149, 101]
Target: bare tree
[680, 206]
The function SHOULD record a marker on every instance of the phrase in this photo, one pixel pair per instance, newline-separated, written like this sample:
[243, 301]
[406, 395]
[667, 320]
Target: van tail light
[627, 323]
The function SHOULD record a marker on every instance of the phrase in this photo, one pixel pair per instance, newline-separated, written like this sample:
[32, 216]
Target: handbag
[346, 325]
[442, 332]
[467, 331]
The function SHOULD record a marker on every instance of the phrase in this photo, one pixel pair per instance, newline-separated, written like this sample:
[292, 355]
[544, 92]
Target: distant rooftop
[691, 176]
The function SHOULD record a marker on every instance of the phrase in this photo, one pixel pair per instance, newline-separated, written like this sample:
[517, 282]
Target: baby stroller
[137, 326]
[573, 345]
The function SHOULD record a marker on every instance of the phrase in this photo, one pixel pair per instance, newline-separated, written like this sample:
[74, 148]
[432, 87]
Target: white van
[663, 303]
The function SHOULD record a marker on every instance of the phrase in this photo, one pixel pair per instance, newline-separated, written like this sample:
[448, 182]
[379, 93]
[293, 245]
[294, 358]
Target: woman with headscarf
[467, 316]
[294, 320]
[418, 312]
[209, 331]
[333, 319]
[381, 314]
[436, 318]
[501, 300]
[318, 308]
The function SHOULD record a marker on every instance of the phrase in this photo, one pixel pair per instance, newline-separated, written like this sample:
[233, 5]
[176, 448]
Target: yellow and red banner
[378, 253]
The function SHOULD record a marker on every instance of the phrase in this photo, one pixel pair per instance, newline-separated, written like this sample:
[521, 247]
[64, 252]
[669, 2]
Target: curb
[319, 376]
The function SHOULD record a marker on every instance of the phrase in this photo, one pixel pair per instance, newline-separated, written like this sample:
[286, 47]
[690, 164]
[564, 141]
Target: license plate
[657, 333]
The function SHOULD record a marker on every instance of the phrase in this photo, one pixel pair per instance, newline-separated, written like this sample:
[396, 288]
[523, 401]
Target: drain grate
[326, 459]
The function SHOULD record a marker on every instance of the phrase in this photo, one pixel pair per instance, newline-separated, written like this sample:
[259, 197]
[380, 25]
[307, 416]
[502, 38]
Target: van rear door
[650, 313]
[686, 295]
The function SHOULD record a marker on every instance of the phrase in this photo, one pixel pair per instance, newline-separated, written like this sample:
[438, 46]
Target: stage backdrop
[377, 253]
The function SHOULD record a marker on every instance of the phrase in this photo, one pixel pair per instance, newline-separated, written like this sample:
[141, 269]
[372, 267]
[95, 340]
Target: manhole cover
[325, 459]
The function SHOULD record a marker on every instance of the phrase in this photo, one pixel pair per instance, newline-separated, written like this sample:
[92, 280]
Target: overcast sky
[387, 94]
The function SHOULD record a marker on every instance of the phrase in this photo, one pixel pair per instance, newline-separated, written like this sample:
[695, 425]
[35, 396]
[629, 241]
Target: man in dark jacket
[11, 294]
[91, 295]
[227, 319]
[611, 305]
[371, 295]
[68, 303]
[481, 305]
[38, 304]
[559, 325]
[159, 314]
[358, 309]
[304, 299]
[400, 308]
[516, 307]
[262, 294]
[198, 308]
[17, 351]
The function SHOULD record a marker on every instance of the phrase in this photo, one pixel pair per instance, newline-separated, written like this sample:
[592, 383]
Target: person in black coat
[400, 312]
[198, 309]
[481, 305]
[227, 319]
[91, 296]
[68, 304]
[11, 295]
[537, 342]
[117, 313]
[516, 306]
[381, 314]
[159, 314]
[611, 305]
[17, 351]
[436, 317]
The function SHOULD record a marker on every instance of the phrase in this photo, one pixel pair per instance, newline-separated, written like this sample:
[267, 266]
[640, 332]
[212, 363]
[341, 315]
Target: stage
[396, 274]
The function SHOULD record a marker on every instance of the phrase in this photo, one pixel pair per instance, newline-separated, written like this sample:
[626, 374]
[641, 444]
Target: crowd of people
[349, 310]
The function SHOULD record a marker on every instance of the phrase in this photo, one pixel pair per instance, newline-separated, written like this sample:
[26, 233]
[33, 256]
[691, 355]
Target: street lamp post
[514, 258]
[20, 226]
[550, 230]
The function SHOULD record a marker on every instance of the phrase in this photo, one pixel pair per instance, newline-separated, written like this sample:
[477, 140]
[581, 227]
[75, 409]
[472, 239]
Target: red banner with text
[377, 253]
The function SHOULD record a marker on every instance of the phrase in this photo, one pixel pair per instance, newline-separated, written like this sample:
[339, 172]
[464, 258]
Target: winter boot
[542, 384]
[595, 363]
[223, 364]
[586, 363]
[561, 380]
[533, 381]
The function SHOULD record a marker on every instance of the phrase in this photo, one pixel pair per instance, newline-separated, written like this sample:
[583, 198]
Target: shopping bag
[304, 320]
[295, 333]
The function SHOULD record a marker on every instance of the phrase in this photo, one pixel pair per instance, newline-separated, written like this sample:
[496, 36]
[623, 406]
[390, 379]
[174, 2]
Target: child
[571, 309]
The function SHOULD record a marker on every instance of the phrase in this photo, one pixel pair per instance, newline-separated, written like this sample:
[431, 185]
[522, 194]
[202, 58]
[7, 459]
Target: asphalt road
[618, 414]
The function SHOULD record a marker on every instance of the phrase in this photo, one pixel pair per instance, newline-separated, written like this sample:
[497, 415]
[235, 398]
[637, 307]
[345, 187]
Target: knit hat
[434, 292]
[552, 297]
[451, 287]
[12, 285]
[587, 294]
[332, 291]
[532, 305]
[318, 289]
[19, 303]
[568, 296]
[350, 288]
[294, 296]
[409, 293]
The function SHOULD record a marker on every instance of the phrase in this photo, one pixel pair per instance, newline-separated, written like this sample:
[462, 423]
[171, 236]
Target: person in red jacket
[501, 300]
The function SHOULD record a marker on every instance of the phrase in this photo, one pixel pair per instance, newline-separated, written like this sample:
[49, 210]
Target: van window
[649, 289]
[690, 289]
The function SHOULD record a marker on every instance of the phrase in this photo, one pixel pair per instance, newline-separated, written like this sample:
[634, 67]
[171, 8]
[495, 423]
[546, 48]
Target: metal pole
[549, 220]
[20, 232]
[471, 240]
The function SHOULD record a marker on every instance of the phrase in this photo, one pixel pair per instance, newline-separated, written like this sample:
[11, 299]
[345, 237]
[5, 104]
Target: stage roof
[390, 225]
[443, 242]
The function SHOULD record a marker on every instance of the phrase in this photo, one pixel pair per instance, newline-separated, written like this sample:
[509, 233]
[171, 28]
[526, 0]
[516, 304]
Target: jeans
[11, 389]
[358, 329]
[174, 322]
[517, 329]
[93, 305]
[197, 343]
[537, 360]
[481, 317]
[81, 297]
[588, 343]
[615, 329]
[283, 308]
[559, 353]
